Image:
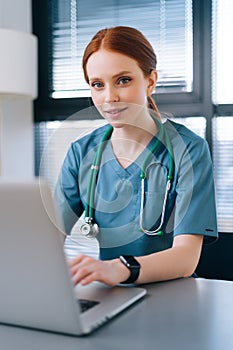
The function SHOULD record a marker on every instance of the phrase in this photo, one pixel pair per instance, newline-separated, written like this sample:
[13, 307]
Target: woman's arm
[178, 261]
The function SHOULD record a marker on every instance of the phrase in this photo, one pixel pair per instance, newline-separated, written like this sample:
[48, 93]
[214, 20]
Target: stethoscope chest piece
[89, 229]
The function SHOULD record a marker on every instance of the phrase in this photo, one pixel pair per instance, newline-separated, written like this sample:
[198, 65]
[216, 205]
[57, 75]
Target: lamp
[18, 74]
[18, 64]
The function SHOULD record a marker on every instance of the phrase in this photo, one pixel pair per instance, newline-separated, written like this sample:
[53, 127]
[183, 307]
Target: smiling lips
[116, 112]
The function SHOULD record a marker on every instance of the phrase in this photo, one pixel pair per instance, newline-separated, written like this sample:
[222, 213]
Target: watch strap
[133, 265]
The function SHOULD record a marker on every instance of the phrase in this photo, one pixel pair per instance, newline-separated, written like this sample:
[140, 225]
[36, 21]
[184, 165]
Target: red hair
[127, 41]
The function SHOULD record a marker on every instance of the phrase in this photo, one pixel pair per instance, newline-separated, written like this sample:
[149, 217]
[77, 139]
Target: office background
[193, 43]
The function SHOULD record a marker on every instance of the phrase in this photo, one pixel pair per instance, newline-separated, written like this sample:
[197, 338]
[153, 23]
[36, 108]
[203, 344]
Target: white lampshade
[18, 64]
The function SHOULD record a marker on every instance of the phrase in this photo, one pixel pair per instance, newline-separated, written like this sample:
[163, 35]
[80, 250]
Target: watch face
[130, 261]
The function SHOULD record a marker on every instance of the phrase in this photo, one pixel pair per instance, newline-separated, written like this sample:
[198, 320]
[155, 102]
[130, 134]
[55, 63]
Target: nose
[111, 94]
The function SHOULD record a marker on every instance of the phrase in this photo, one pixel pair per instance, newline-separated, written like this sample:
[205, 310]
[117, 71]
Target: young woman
[144, 183]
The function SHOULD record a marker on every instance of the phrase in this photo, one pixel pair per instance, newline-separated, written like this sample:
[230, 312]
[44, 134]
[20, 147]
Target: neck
[129, 141]
[142, 132]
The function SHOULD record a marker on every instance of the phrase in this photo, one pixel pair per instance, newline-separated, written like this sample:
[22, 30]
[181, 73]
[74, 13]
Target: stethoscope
[90, 228]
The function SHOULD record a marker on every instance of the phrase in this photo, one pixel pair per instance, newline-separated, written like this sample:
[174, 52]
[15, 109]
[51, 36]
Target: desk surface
[186, 314]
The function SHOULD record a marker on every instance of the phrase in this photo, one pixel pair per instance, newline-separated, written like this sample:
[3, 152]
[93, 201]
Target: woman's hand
[85, 270]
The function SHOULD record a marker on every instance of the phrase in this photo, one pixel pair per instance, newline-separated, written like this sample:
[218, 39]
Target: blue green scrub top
[190, 207]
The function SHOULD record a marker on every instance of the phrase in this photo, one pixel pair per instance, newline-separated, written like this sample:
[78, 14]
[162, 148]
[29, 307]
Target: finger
[83, 267]
[89, 279]
[82, 274]
[76, 260]
[75, 265]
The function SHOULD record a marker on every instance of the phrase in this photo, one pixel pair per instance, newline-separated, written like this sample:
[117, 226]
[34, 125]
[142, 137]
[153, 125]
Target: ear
[152, 80]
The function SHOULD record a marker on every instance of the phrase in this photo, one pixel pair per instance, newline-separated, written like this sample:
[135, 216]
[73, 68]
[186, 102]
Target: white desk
[186, 314]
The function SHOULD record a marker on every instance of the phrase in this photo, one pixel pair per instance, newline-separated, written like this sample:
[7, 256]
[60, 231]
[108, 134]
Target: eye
[97, 84]
[123, 80]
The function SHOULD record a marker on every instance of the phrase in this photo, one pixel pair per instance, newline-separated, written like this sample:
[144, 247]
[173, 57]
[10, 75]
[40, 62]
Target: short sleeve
[195, 208]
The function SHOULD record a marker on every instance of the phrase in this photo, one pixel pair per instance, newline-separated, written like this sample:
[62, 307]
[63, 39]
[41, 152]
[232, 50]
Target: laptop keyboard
[86, 304]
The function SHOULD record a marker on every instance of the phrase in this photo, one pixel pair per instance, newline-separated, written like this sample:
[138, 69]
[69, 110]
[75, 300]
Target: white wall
[16, 115]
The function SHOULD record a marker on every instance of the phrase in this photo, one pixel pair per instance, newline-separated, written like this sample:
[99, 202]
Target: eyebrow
[114, 76]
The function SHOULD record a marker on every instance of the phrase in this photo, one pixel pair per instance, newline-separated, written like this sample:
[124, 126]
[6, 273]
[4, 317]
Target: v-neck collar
[135, 166]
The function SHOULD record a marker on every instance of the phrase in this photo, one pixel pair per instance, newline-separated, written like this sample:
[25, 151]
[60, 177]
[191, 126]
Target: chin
[117, 125]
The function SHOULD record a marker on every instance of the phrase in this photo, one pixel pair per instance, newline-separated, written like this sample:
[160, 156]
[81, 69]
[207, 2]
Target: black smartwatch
[133, 265]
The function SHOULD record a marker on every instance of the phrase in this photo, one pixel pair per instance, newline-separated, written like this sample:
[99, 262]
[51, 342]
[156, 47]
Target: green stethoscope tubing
[89, 208]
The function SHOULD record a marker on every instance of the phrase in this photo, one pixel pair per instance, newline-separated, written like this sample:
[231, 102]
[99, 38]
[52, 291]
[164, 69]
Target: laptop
[36, 290]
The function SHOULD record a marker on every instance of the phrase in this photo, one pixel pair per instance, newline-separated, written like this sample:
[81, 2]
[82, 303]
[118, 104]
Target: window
[167, 24]
[222, 52]
[195, 76]
[222, 123]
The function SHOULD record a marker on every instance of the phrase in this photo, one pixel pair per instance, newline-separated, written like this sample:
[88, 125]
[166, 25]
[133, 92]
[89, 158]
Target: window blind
[223, 170]
[166, 23]
[222, 51]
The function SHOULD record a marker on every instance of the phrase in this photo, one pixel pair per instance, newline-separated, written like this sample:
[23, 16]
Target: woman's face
[118, 86]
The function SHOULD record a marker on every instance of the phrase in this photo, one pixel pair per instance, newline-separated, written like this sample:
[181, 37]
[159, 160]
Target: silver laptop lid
[33, 268]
